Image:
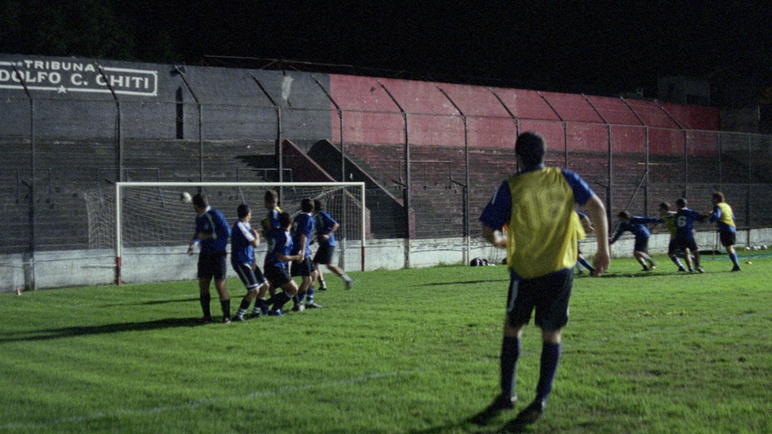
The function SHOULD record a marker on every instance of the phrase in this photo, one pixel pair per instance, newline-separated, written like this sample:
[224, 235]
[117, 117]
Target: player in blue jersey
[587, 225]
[271, 221]
[212, 233]
[684, 237]
[276, 266]
[543, 231]
[668, 218]
[637, 226]
[724, 218]
[325, 227]
[244, 240]
[302, 233]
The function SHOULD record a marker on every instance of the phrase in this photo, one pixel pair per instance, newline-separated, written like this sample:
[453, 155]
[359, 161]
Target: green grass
[404, 351]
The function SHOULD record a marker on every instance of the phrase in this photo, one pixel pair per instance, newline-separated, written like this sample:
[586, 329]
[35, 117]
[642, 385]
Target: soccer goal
[154, 226]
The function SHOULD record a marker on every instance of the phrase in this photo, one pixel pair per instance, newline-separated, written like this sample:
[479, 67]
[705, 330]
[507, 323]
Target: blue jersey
[303, 225]
[212, 222]
[324, 224]
[684, 220]
[271, 221]
[279, 243]
[242, 250]
[636, 226]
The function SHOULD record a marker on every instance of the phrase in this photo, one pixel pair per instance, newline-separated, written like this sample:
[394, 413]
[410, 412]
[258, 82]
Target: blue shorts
[548, 295]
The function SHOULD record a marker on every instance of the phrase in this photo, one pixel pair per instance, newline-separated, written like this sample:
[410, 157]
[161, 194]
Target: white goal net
[149, 226]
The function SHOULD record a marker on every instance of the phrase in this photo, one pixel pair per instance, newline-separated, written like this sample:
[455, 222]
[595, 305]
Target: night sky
[595, 47]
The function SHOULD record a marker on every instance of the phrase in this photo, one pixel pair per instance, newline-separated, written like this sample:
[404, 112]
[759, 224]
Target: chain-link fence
[444, 185]
[431, 155]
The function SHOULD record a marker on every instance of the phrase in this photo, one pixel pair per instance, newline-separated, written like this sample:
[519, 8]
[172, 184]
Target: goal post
[153, 226]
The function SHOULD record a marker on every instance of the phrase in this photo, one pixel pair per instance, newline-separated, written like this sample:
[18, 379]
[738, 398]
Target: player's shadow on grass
[66, 332]
[494, 425]
[640, 274]
[154, 302]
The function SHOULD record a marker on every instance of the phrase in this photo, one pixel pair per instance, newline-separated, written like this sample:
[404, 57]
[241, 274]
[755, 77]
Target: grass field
[409, 351]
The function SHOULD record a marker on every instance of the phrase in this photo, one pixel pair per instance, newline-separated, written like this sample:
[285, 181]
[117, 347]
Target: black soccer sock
[205, 300]
[243, 307]
[279, 300]
[226, 308]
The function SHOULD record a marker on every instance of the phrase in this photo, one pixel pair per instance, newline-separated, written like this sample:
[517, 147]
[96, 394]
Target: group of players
[680, 224]
[289, 242]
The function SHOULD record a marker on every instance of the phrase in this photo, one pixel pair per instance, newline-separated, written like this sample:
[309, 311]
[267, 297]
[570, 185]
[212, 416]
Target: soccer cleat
[645, 268]
[322, 287]
[205, 320]
[499, 404]
[298, 307]
[699, 270]
[349, 284]
[653, 266]
[530, 414]
[737, 268]
[226, 320]
[682, 269]
[238, 318]
[312, 305]
[254, 315]
[275, 312]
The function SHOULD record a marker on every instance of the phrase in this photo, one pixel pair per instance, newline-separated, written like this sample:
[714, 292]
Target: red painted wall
[375, 111]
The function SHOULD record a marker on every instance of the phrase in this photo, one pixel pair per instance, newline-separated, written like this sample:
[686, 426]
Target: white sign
[73, 76]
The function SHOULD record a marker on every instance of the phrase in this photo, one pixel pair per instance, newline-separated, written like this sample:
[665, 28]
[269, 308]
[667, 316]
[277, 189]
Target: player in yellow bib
[724, 218]
[538, 207]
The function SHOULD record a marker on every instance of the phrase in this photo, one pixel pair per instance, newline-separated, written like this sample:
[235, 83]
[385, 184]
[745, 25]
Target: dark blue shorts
[252, 278]
[728, 238]
[685, 243]
[641, 245]
[212, 265]
[324, 255]
[548, 295]
[276, 276]
[303, 268]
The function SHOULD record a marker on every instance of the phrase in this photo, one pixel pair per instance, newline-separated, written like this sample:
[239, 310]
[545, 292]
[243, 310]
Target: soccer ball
[185, 197]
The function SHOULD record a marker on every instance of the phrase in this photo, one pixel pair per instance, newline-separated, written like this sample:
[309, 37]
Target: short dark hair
[530, 146]
[285, 219]
[318, 205]
[306, 205]
[242, 210]
[624, 215]
[200, 201]
[271, 196]
[681, 203]
[665, 206]
[719, 196]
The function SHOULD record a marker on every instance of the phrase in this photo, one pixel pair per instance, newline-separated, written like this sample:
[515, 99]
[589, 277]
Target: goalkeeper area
[149, 226]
